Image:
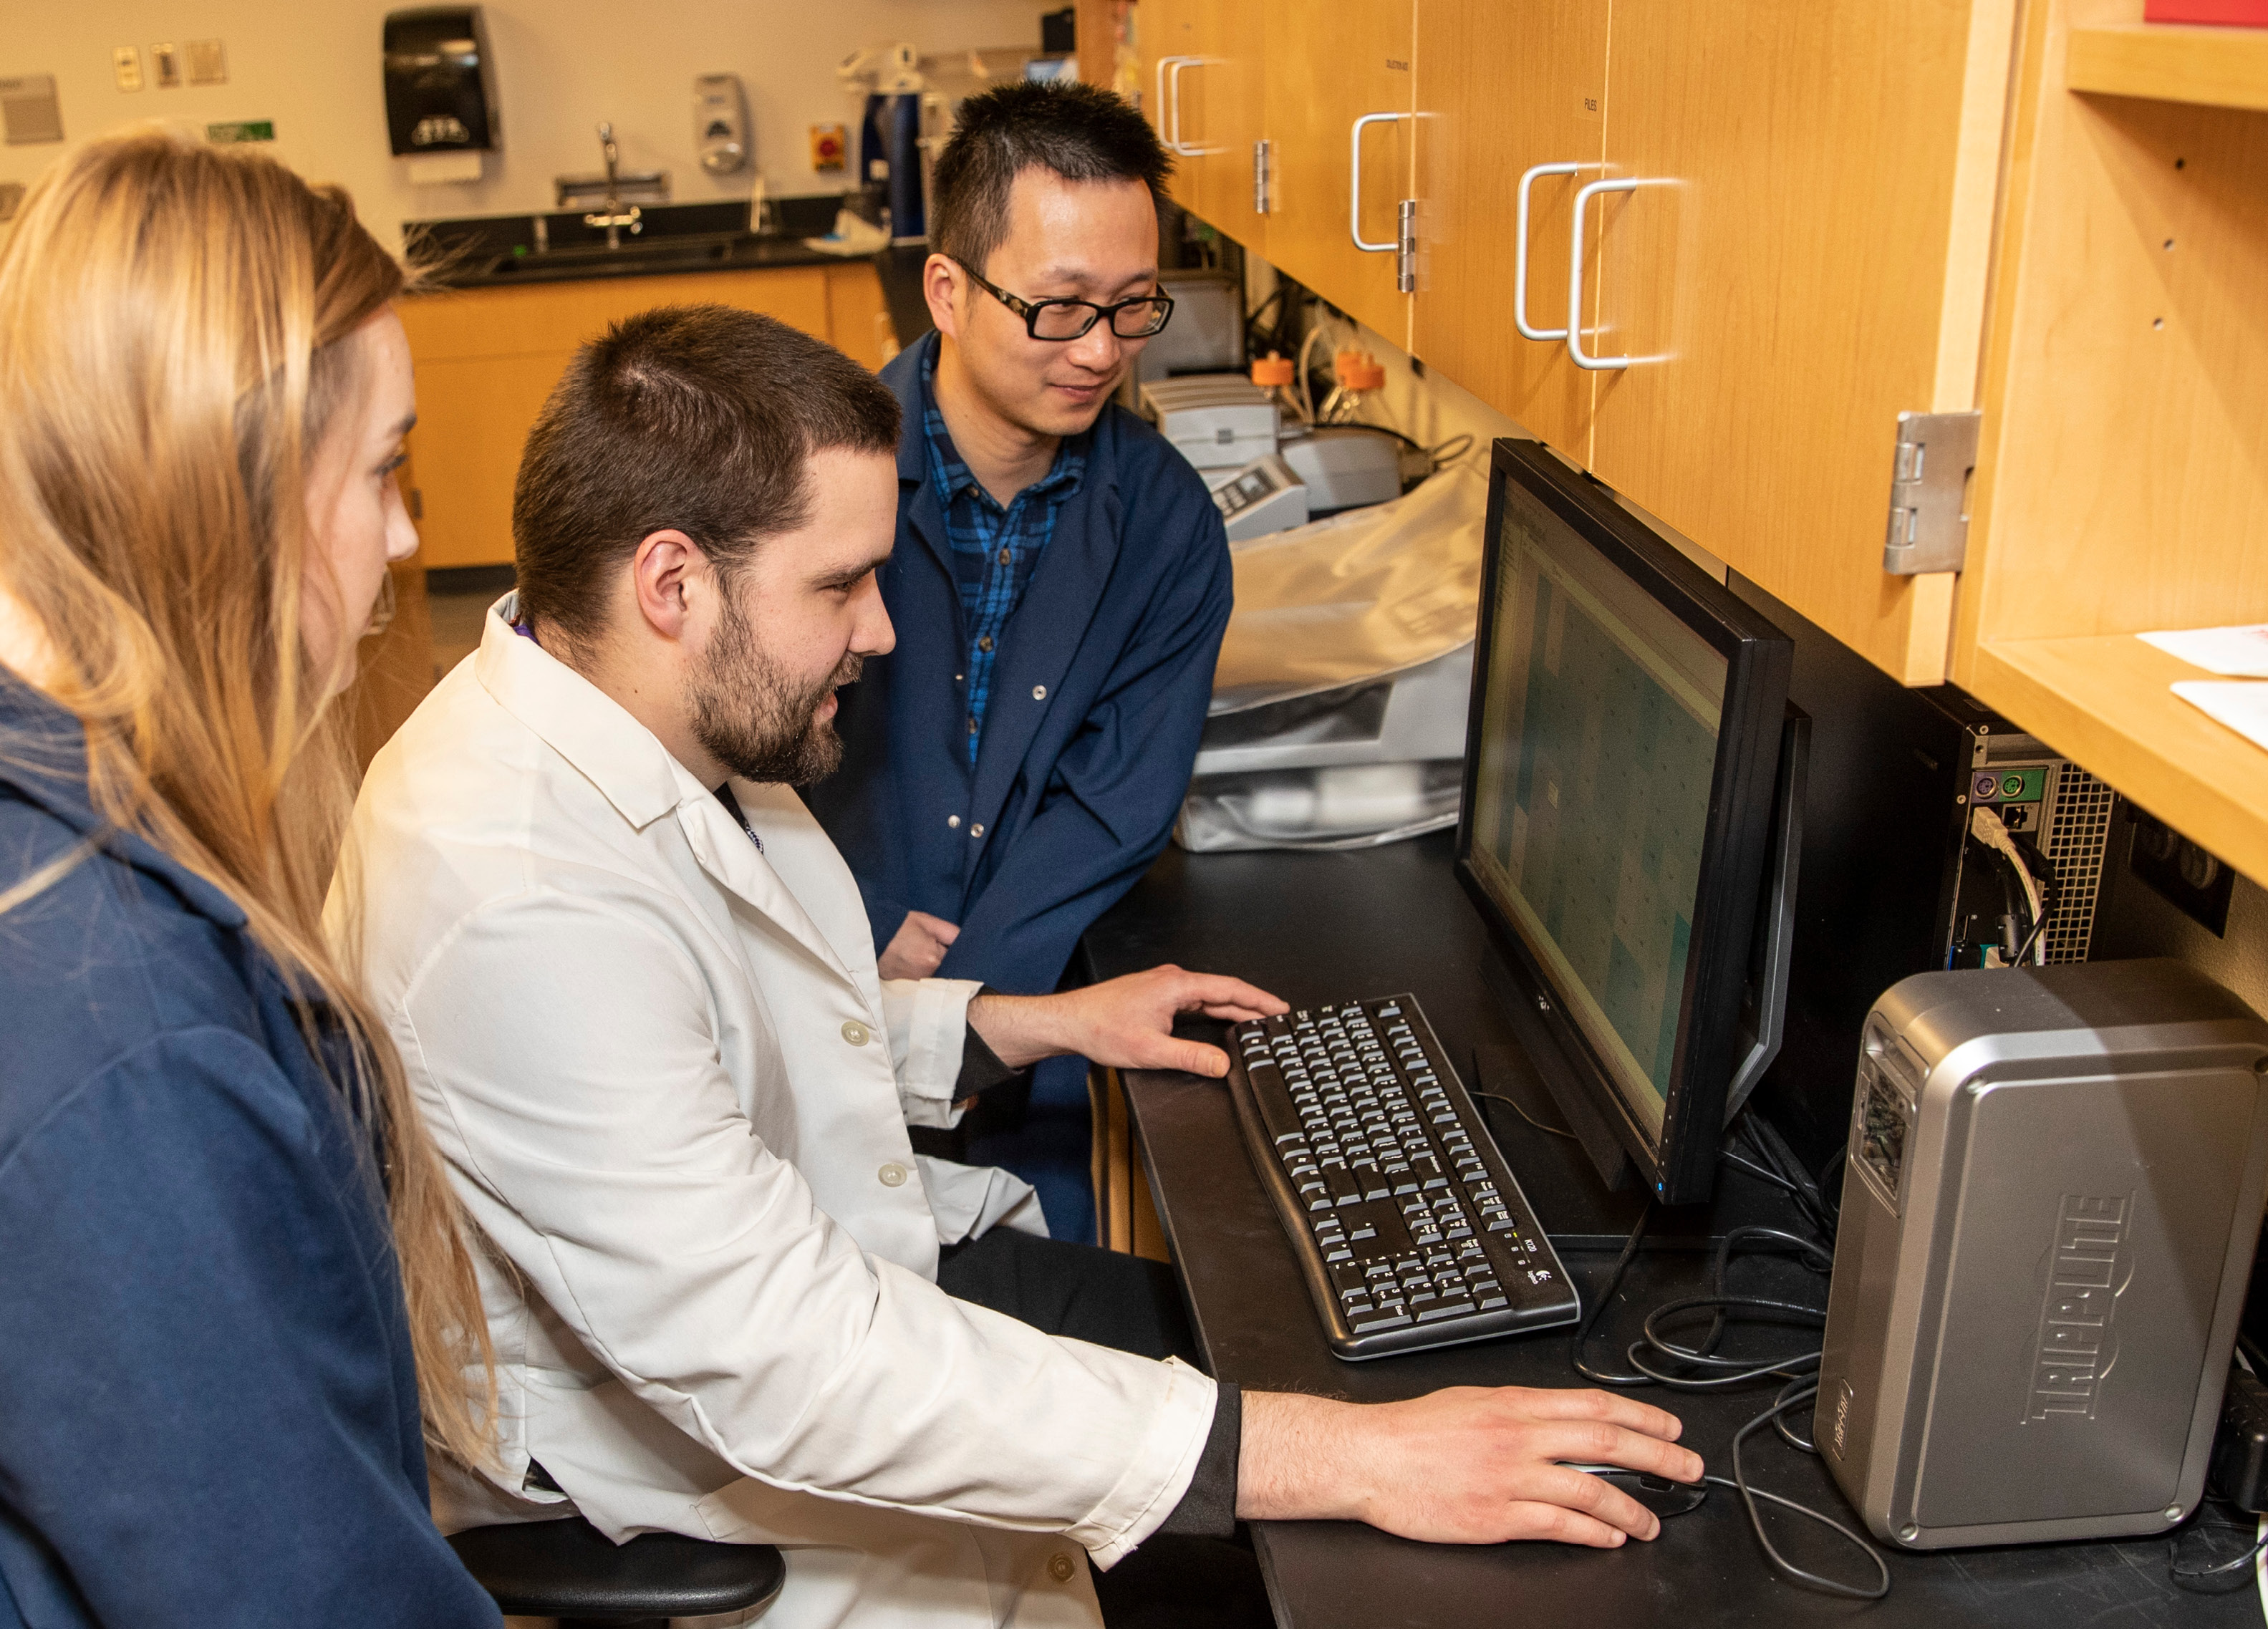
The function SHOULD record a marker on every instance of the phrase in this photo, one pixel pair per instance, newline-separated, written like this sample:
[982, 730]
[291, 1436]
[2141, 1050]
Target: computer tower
[1891, 881]
[2050, 1208]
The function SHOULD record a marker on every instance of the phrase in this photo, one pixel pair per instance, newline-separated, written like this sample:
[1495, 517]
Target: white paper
[2235, 652]
[2241, 707]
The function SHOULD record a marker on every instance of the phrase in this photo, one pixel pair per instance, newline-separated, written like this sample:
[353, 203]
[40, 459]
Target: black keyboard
[1409, 1227]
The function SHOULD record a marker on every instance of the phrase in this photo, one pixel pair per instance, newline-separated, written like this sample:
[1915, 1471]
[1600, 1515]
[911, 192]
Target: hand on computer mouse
[1658, 1494]
[1467, 1465]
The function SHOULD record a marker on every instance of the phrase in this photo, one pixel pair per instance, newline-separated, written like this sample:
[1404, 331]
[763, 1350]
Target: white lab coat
[673, 1093]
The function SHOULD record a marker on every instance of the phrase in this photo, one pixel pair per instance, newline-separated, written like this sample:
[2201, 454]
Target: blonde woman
[227, 1255]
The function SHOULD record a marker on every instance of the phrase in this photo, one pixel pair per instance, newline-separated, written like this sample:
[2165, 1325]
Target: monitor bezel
[1758, 660]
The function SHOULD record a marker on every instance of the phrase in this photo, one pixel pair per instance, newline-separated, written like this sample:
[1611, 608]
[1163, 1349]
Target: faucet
[613, 220]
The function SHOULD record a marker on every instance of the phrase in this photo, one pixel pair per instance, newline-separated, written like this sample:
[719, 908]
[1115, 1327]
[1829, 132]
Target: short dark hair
[697, 417]
[1081, 132]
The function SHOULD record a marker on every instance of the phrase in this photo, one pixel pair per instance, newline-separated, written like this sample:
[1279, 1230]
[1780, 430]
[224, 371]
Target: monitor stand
[1582, 1186]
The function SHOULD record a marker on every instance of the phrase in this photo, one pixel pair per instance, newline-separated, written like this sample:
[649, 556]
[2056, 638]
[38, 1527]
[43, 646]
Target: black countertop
[502, 251]
[1326, 927]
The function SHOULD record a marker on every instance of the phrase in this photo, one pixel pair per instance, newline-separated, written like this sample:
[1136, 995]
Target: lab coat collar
[631, 769]
[616, 754]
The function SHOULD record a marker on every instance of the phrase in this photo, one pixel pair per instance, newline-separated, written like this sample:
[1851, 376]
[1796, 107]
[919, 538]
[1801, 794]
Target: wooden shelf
[2103, 702]
[2172, 63]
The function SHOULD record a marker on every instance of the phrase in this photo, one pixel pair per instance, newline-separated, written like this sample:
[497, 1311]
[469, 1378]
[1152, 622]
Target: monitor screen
[1619, 787]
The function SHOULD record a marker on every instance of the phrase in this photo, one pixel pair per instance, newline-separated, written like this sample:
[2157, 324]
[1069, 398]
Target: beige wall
[562, 65]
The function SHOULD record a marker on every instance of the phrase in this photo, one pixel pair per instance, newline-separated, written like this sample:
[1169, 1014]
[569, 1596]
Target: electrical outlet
[126, 63]
[2194, 882]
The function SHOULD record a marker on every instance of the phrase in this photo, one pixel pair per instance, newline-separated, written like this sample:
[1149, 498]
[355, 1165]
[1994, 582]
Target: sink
[650, 255]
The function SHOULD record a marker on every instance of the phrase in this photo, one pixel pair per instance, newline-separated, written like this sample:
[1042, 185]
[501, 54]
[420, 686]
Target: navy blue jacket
[207, 1408]
[1104, 673]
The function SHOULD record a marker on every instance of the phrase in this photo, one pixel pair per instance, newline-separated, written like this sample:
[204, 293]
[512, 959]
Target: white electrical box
[1262, 497]
[1345, 466]
[1218, 421]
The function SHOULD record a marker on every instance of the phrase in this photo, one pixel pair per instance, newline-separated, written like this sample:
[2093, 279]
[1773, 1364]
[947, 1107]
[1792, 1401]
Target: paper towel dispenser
[440, 81]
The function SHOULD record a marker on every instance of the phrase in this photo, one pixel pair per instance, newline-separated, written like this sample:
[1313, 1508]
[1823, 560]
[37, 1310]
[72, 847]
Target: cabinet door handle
[1627, 183]
[1173, 142]
[1354, 205]
[1520, 250]
[1169, 118]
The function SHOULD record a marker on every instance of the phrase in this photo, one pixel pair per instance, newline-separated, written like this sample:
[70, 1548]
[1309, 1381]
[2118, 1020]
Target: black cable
[1796, 1393]
[1754, 1169]
[2050, 890]
[2220, 1577]
[1531, 1119]
[1658, 1359]
[1613, 1282]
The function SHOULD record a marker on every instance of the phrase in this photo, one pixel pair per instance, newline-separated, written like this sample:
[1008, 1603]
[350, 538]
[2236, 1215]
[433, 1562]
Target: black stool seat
[571, 1571]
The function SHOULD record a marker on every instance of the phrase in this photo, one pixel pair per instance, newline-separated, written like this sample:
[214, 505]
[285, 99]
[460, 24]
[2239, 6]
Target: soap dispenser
[720, 123]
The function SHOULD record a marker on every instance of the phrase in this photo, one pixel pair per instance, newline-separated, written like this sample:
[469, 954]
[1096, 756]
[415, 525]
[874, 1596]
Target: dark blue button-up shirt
[994, 548]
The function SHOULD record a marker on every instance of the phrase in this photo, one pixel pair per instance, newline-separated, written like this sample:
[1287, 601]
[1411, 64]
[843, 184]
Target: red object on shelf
[2236, 13]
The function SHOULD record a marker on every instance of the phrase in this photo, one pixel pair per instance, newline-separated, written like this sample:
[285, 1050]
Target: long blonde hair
[174, 327]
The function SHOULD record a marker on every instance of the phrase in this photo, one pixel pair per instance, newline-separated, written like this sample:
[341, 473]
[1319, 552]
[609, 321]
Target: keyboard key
[1384, 1318]
[1450, 1310]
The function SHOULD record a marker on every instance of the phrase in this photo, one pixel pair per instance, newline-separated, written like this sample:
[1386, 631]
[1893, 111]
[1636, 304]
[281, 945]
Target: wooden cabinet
[1803, 256]
[1502, 89]
[1202, 72]
[487, 358]
[1326, 66]
[1219, 75]
[2121, 485]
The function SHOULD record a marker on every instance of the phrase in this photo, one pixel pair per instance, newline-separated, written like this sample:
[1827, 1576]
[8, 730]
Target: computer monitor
[1631, 783]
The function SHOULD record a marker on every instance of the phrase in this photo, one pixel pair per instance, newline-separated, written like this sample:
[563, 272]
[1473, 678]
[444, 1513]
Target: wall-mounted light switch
[126, 63]
[166, 65]
[208, 62]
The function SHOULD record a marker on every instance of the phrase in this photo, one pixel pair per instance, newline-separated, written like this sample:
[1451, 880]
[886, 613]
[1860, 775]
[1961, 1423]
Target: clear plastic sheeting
[1346, 806]
[1338, 710]
[1358, 596]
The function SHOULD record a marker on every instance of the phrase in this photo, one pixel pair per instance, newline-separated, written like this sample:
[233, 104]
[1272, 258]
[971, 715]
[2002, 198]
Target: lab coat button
[1039, 692]
[893, 1175]
[976, 830]
[1060, 1568]
[855, 1032]
[952, 821]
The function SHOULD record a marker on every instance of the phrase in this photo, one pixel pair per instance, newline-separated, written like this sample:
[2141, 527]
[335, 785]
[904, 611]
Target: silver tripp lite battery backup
[2049, 1213]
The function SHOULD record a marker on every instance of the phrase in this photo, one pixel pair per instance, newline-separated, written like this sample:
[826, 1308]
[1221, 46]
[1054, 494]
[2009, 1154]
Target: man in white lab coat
[634, 989]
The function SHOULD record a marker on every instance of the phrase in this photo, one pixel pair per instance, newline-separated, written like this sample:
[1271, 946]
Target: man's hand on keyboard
[1127, 1023]
[1469, 1465]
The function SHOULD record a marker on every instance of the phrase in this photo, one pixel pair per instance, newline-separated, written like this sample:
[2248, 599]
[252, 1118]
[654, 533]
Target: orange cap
[1272, 370]
[1358, 369]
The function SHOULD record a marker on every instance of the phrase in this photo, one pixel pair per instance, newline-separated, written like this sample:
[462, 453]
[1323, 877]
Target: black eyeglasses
[1069, 319]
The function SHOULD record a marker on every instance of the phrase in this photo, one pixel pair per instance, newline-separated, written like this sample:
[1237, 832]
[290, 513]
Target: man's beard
[751, 718]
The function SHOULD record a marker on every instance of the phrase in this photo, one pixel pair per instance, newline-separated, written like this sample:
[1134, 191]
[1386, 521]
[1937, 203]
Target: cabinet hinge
[1405, 254]
[1929, 492]
[1263, 155]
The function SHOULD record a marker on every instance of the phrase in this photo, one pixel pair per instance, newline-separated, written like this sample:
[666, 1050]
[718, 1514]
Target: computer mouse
[1665, 1498]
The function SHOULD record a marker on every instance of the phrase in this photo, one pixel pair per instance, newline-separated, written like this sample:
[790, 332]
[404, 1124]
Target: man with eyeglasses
[1060, 585]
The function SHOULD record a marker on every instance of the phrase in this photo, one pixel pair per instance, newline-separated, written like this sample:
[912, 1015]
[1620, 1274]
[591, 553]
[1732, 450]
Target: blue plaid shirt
[994, 549]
